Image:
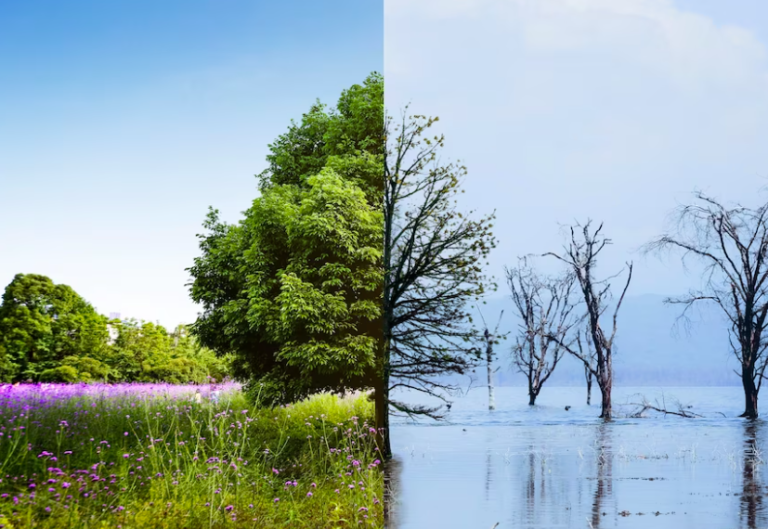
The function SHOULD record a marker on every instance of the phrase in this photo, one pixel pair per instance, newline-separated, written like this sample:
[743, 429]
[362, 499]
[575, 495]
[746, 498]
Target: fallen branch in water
[645, 406]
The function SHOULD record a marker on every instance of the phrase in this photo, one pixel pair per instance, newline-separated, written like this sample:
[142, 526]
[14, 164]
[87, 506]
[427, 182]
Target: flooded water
[545, 467]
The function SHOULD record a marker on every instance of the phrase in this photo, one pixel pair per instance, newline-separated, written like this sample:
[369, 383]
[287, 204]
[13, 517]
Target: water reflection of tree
[392, 470]
[536, 487]
[751, 507]
[546, 492]
[604, 479]
[488, 476]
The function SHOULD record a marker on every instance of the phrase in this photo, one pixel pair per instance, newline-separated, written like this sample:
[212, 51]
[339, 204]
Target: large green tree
[43, 324]
[293, 290]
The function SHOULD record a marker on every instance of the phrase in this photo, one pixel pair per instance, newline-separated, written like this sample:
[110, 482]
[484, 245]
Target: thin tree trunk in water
[588, 375]
[750, 393]
[531, 391]
[534, 387]
[605, 391]
[489, 359]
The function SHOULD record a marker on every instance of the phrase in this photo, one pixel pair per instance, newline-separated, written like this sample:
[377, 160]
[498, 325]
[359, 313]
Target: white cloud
[612, 109]
[652, 32]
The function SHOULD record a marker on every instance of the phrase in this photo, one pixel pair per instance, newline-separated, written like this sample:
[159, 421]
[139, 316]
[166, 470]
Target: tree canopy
[41, 324]
[293, 289]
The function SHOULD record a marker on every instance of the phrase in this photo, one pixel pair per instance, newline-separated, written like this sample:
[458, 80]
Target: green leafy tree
[354, 128]
[139, 347]
[211, 365]
[146, 352]
[305, 278]
[41, 324]
[293, 291]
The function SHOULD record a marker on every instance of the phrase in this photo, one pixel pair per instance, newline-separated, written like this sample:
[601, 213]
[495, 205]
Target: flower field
[166, 456]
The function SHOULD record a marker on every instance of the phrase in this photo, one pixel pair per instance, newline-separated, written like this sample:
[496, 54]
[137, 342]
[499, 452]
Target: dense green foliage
[49, 333]
[42, 324]
[143, 457]
[355, 128]
[146, 352]
[293, 290]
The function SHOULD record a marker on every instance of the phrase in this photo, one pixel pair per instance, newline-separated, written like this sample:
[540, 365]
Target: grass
[141, 458]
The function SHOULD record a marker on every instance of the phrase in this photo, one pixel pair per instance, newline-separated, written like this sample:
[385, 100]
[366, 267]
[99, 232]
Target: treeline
[48, 333]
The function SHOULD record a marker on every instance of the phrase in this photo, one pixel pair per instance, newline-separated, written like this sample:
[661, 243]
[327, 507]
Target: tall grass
[156, 456]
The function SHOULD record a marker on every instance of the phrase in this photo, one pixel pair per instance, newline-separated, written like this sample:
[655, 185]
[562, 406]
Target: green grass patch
[138, 459]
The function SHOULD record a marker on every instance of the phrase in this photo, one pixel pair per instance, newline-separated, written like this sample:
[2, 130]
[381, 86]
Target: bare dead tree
[433, 268]
[580, 256]
[490, 340]
[545, 307]
[732, 244]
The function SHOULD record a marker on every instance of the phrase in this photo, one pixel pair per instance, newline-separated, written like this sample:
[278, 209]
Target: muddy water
[545, 467]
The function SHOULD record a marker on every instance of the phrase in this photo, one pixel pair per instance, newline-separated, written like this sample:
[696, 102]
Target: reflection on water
[392, 471]
[752, 487]
[488, 467]
[547, 467]
[604, 479]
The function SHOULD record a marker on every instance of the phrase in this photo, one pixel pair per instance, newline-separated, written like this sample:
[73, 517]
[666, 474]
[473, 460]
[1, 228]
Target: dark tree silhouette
[732, 244]
[433, 269]
[580, 256]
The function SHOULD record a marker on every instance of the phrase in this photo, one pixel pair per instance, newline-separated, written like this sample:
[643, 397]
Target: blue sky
[565, 110]
[122, 121]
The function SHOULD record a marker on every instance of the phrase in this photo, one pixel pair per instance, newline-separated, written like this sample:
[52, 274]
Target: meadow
[184, 456]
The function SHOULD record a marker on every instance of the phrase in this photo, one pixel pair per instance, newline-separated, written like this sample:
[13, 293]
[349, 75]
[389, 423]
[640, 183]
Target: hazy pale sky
[121, 121]
[565, 110]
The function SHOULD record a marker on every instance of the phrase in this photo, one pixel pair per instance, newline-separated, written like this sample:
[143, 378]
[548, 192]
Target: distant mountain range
[653, 348]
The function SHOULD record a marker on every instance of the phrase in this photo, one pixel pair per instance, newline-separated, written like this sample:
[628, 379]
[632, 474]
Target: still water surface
[545, 467]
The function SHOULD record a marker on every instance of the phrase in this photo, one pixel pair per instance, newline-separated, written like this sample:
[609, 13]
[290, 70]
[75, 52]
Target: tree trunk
[588, 375]
[532, 390]
[489, 359]
[605, 391]
[750, 393]
[381, 398]
[382, 419]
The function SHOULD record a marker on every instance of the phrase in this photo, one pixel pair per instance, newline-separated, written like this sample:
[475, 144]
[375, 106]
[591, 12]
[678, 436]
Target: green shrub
[60, 374]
